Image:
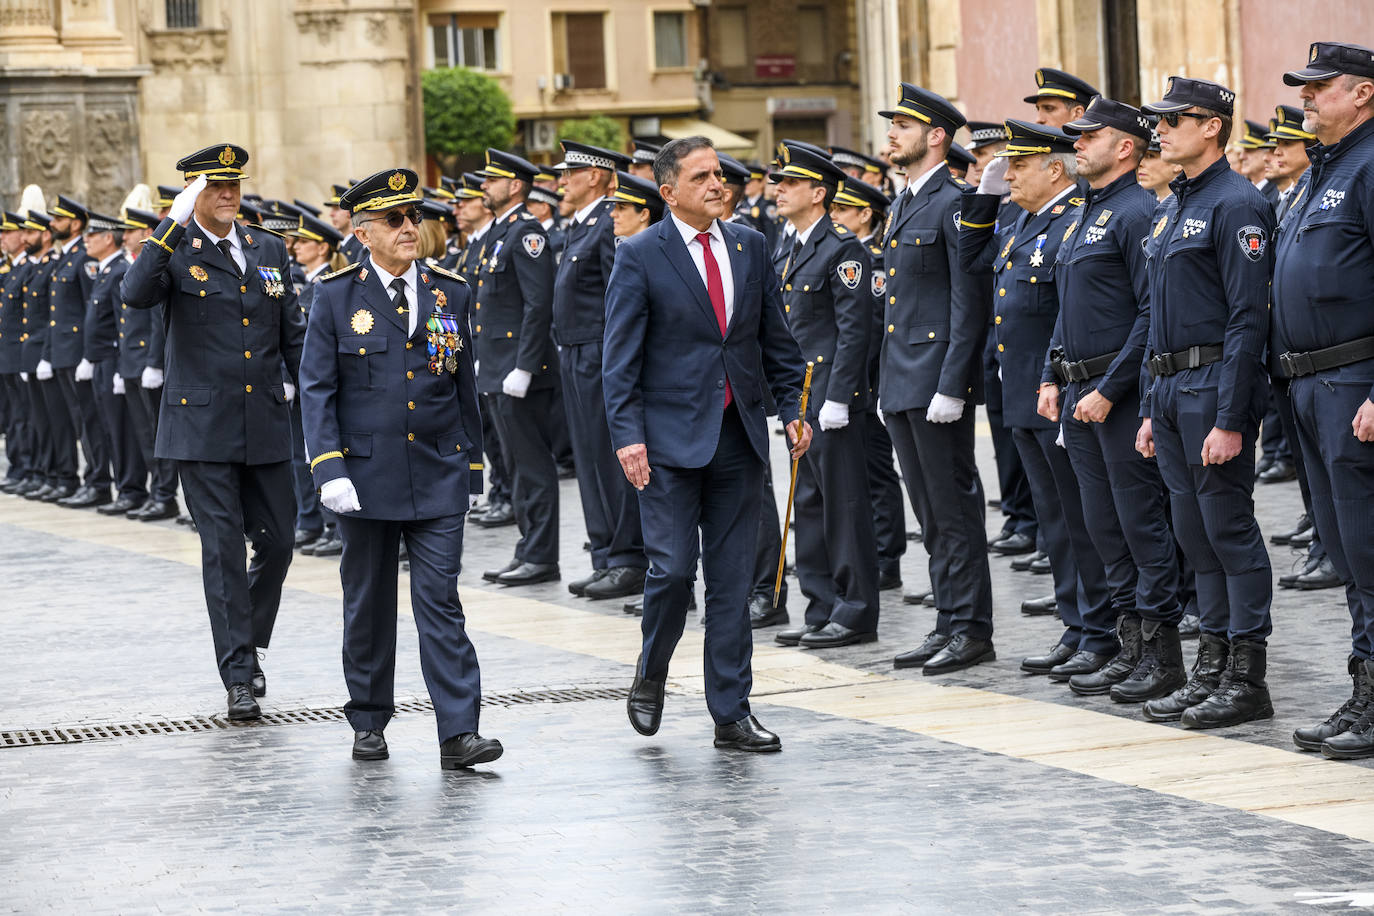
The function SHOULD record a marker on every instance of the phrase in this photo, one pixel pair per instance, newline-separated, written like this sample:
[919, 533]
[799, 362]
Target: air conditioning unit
[540, 136]
[562, 82]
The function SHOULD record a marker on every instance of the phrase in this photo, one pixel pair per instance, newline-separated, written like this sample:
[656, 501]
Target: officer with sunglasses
[1210, 262]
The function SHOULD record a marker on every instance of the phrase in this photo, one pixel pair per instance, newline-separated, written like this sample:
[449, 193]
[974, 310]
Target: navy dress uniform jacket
[37, 318]
[12, 325]
[409, 440]
[936, 317]
[142, 338]
[101, 338]
[673, 402]
[68, 292]
[828, 301]
[228, 339]
[514, 303]
[579, 290]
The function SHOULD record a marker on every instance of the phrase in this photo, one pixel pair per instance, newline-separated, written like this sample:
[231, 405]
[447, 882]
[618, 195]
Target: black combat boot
[1241, 695]
[1212, 652]
[1160, 671]
[1121, 665]
[1310, 737]
[1358, 740]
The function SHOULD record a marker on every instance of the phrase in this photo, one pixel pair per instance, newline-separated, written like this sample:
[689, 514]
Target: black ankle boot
[1121, 665]
[1160, 671]
[1310, 737]
[1241, 695]
[1357, 741]
[1212, 653]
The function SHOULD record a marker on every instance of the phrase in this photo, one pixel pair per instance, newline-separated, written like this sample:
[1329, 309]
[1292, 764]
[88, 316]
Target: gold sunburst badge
[361, 321]
[199, 273]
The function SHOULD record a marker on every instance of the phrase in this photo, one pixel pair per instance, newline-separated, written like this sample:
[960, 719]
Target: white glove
[23, 376]
[84, 371]
[118, 384]
[834, 415]
[517, 384]
[472, 500]
[1059, 439]
[944, 409]
[290, 391]
[994, 180]
[44, 370]
[184, 204]
[152, 378]
[339, 496]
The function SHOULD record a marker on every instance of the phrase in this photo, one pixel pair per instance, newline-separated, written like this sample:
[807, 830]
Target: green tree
[465, 112]
[597, 130]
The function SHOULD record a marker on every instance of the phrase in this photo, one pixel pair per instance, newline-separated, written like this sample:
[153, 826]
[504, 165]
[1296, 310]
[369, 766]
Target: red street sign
[775, 66]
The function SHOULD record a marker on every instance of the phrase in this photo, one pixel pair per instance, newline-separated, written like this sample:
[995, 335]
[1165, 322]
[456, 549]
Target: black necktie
[399, 299]
[224, 246]
[792, 258]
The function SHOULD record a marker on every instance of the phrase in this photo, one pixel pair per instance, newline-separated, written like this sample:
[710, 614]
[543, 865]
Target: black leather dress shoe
[242, 706]
[1290, 580]
[1039, 607]
[331, 546]
[497, 516]
[57, 494]
[259, 682]
[1323, 575]
[304, 537]
[619, 582]
[833, 635]
[566, 472]
[747, 735]
[468, 750]
[121, 506]
[1264, 463]
[92, 496]
[763, 614]
[792, 636]
[28, 486]
[1190, 626]
[962, 652]
[1280, 471]
[1081, 663]
[38, 493]
[1013, 545]
[1303, 525]
[889, 580]
[529, 574]
[492, 575]
[645, 704]
[927, 650]
[1023, 563]
[1304, 540]
[917, 597]
[1040, 566]
[1041, 664]
[635, 607]
[577, 585]
[79, 493]
[369, 746]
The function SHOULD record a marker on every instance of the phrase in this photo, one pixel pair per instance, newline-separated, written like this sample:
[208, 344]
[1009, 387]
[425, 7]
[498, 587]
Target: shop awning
[724, 140]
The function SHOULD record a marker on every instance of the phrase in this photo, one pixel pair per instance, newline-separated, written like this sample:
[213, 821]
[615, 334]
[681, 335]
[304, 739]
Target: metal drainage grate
[108, 731]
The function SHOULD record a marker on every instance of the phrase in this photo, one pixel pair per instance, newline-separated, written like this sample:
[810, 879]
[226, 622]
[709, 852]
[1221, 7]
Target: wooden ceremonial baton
[792, 489]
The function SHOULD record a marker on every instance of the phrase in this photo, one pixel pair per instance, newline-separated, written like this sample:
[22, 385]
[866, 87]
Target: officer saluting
[233, 329]
[1323, 336]
[389, 401]
[1210, 263]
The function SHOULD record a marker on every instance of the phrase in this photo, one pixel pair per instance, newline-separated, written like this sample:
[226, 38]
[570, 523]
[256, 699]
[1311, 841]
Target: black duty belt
[1295, 365]
[1191, 358]
[1084, 369]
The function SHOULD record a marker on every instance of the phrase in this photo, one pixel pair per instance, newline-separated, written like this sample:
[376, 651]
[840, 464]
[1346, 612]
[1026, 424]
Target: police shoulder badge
[534, 244]
[361, 322]
[91, 268]
[1252, 241]
[198, 273]
[1159, 226]
[878, 283]
[850, 273]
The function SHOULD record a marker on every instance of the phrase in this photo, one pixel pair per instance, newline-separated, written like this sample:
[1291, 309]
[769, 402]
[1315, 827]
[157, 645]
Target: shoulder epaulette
[960, 182]
[1076, 201]
[445, 272]
[876, 249]
[341, 271]
[839, 230]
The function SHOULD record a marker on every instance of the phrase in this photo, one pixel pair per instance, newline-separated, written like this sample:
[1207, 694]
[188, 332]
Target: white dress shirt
[586, 211]
[235, 248]
[722, 255]
[914, 186]
[1057, 198]
[410, 277]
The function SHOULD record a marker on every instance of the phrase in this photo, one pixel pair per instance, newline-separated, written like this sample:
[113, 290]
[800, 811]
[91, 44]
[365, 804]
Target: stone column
[28, 36]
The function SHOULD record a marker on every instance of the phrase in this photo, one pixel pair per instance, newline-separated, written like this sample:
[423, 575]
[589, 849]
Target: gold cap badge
[361, 321]
[396, 181]
[226, 156]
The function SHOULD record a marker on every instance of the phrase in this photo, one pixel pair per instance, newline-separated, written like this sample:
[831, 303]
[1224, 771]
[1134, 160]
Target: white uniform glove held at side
[944, 409]
[517, 384]
[44, 370]
[118, 383]
[152, 378]
[338, 495]
[85, 371]
[290, 391]
[184, 204]
[834, 415]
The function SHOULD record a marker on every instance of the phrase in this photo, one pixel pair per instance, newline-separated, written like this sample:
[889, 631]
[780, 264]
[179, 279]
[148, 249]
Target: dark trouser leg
[1014, 488]
[367, 570]
[41, 458]
[523, 423]
[143, 404]
[95, 439]
[267, 517]
[609, 506]
[61, 433]
[1273, 442]
[131, 474]
[498, 478]
[670, 511]
[560, 442]
[941, 478]
[447, 657]
[1283, 403]
[885, 495]
[308, 516]
[18, 448]
[768, 543]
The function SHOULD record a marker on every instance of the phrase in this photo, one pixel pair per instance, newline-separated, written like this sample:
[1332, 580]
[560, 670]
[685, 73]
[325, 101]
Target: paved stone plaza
[983, 792]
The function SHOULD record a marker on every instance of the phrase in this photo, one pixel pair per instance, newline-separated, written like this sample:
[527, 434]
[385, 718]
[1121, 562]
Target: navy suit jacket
[665, 364]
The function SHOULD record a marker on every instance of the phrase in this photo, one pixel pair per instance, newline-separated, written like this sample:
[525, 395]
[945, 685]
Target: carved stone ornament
[47, 137]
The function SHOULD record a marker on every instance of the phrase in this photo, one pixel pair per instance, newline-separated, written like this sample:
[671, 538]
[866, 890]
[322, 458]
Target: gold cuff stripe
[159, 243]
[475, 466]
[325, 457]
[964, 222]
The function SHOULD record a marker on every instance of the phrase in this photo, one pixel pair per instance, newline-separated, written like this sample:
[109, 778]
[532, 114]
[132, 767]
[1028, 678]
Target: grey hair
[668, 162]
[1067, 160]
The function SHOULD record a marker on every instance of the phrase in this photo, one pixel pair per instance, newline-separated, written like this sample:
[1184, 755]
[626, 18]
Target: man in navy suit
[694, 332]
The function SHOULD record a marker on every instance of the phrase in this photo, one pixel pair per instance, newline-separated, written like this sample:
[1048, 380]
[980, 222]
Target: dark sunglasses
[1171, 117]
[396, 218]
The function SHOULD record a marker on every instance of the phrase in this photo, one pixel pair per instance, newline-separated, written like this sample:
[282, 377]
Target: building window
[811, 36]
[183, 14]
[466, 40]
[732, 36]
[670, 40]
[579, 48]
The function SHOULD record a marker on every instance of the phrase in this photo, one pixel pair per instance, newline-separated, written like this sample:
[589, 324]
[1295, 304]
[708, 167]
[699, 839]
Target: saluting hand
[635, 461]
[1363, 424]
[184, 204]
[800, 434]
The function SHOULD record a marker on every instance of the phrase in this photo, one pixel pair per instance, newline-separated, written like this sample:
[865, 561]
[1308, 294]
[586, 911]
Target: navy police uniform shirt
[1324, 252]
[230, 338]
[375, 409]
[579, 291]
[1210, 265]
[1100, 273]
[12, 283]
[102, 328]
[1025, 300]
[827, 298]
[514, 303]
[68, 292]
[37, 318]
